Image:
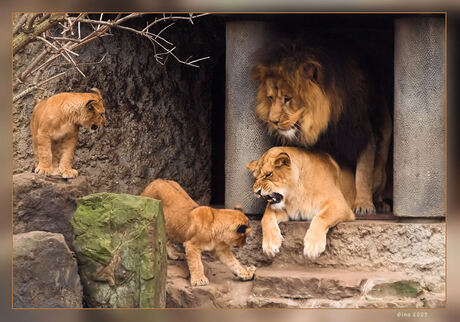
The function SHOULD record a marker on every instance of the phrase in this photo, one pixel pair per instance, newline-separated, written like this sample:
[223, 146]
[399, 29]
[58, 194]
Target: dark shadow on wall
[218, 133]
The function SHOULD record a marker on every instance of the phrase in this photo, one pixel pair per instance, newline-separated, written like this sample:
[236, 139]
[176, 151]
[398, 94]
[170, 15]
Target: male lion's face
[272, 173]
[291, 101]
[280, 108]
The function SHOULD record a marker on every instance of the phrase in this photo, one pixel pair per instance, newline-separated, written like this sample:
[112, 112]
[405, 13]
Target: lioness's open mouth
[274, 198]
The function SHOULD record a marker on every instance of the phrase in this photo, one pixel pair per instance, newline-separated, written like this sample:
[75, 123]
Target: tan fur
[313, 188]
[200, 228]
[296, 109]
[54, 125]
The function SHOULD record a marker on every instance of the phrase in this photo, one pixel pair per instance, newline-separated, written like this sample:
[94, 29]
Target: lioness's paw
[248, 274]
[364, 207]
[69, 173]
[271, 245]
[42, 170]
[314, 244]
[200, 281]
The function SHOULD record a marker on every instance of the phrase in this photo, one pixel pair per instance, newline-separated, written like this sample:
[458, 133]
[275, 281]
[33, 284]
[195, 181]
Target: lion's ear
[282, 159]
[309, 71]
[95, 90]
[258, 72]
[251, 165]
[89, 105]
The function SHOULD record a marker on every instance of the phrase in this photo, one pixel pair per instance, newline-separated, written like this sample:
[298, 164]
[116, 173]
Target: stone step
[299, 286]
[368, 245]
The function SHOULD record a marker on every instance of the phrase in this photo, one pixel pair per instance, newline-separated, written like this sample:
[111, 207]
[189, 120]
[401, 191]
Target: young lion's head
[92, 115]
[228, 226]
[291, 98]
[273, 173]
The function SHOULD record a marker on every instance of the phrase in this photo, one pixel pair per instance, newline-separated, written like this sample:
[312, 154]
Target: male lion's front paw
[271, 244]
[314, 244]
[364, 207]
[43, 170]
[200, 281]
[69, 173]
[248, 274]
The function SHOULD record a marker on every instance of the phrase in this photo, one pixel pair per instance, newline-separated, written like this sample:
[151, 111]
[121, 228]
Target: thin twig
[34, 87]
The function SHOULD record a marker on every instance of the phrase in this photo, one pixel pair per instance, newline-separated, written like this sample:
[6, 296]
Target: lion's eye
[270, 97]
[268, 175]
[287, 99]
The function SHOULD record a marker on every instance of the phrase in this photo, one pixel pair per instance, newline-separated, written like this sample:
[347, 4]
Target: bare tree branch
[34, 87]
[22, 39]
[65, 45]
[22, 19]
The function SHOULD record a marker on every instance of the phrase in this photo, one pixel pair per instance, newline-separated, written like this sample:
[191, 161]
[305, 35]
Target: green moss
[396, 289]
[132, 227]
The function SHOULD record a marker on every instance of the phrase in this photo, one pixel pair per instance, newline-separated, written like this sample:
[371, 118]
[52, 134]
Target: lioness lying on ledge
[200, 228]
[301, 185]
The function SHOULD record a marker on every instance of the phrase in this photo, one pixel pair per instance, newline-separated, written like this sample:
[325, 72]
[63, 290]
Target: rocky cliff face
[159, 117]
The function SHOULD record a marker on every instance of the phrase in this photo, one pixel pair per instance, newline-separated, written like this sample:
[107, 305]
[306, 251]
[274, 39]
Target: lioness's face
[94, 114]
[236, 227]
[280, 108]
[272, 173]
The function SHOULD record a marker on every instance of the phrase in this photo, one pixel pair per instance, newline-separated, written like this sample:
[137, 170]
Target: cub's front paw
[176, 256]
[43, 170]
[271, 244]
[68, 173]
[314, 244]
[248, 274]
[199, 281]
[364, 207]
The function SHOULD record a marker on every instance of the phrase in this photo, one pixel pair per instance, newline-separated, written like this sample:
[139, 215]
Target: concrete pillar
[246, 138]
[419, 122]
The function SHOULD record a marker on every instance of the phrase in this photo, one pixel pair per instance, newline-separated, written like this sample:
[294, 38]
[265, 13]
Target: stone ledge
[359, 246]
[301, 287]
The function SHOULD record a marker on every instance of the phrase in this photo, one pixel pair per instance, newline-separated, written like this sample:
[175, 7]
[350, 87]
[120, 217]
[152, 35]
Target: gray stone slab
[419, 120]
[246, 137]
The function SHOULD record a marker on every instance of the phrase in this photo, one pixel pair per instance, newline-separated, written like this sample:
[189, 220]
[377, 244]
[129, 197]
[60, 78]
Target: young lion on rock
[54, 125]
[200, 228]
[302, 185]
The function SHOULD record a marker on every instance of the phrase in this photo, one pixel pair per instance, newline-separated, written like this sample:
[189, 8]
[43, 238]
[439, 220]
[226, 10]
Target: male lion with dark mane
[319, 95]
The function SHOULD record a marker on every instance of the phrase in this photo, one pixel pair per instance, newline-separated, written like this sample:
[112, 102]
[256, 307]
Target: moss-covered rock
[120, 243]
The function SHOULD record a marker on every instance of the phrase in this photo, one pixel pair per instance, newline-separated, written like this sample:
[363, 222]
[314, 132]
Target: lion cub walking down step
[200, 228]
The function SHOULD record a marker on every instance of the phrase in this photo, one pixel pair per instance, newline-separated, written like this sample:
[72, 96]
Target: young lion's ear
[282, 159]
[251, 165]
[95, 90]
[89, 105]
